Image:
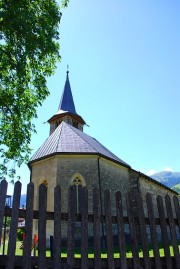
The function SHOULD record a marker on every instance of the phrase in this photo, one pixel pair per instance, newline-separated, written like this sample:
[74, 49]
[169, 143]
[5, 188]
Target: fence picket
[13, 226]
[133, 229]
[57, 229]
[177, 210]
[28, 223]
[71, 227]
[109, 236]
[42, 227]
[164, 231]
[150, 209]
[144, 238]
[135, 219]
[173, 230]
[3, 191]
[121, 233]
[96, 228]
[84, 233]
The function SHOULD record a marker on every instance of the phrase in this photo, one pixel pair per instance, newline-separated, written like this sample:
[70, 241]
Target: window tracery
[79, 182]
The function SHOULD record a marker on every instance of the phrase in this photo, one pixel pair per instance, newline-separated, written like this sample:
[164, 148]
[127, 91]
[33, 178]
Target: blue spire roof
[67, 102]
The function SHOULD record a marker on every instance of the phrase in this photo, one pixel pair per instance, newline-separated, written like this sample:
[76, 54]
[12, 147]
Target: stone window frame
[78, 181]
[44, 181]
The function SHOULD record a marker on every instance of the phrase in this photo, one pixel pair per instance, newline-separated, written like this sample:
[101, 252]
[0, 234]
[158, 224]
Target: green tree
[176, 188]
[29, 51]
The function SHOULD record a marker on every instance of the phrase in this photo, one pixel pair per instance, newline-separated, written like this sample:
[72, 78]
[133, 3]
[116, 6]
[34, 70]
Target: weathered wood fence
[140, 228]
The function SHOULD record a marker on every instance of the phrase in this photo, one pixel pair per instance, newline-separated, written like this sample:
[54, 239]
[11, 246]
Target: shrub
[20, 232]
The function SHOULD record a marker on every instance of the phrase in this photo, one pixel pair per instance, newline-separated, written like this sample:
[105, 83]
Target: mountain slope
[167, 178]
[176, 188]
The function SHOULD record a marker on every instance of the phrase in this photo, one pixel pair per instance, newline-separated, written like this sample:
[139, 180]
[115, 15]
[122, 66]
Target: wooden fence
[141, 228]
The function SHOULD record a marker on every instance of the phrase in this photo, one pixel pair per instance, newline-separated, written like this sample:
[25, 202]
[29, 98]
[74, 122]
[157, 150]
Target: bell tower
[66, 110]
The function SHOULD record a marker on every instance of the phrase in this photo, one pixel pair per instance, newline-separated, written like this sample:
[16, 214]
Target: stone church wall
[94, 171]
[70, 166]
[97, 172]
[44, 172]
[147, 186]
[115, 178]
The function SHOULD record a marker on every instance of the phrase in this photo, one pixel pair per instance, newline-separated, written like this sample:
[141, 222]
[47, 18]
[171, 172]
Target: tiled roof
[67, 139]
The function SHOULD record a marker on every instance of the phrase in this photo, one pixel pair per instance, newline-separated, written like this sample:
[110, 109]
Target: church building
[71, 157]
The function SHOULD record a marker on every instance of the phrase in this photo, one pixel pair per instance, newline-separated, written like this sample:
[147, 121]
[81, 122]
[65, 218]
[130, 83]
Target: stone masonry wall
[44, 171]
[147, 186]
[95, 171]
[68, 166]
[115, 178]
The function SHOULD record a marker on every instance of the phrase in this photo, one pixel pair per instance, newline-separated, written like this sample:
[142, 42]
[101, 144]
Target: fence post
[57, 228]
[71, 227]
[3, 190]
[42, 226]
[121, 232]
[109, 236]
[177, 209]
[133, 228]
[164, 231]
[173, 230]
[14, 225]
[96, 228]
[84, 234]
[28, 223]
[142, 224]
[153, 231]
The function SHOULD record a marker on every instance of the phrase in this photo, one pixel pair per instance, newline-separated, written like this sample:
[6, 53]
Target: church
[71, 157]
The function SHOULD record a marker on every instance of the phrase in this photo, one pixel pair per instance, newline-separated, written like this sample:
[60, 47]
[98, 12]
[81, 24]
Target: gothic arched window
[78, 181]
[43, 181]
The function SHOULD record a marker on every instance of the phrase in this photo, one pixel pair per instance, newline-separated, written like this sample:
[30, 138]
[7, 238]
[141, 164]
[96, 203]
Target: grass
[77, 253]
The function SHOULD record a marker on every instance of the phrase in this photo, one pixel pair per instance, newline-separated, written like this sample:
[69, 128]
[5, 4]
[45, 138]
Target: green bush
[20, 232]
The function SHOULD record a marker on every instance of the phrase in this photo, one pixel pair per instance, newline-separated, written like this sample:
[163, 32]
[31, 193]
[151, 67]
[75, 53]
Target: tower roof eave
[62, 113]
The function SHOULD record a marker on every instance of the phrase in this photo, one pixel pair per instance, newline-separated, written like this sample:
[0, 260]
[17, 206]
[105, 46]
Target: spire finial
[67, 69]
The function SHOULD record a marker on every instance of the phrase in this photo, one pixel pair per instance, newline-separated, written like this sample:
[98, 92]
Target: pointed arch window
[43, 181]
[79, 182]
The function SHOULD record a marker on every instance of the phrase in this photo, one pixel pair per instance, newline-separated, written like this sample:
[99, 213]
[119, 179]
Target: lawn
[77, 254]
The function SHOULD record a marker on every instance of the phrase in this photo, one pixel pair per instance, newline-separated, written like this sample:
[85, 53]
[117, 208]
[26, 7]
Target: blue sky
[124, 62]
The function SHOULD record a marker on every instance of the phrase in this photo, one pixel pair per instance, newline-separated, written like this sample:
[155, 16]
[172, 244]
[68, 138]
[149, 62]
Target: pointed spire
[66, 111]
[67, 102]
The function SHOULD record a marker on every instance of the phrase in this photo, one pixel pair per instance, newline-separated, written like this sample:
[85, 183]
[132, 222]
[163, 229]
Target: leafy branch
[29, 51]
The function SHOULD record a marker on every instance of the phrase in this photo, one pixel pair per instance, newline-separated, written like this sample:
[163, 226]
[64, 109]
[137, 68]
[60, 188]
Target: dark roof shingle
[66, 139]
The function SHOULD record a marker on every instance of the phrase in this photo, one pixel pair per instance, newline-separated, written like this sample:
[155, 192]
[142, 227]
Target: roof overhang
[63, 113]
[80, 153]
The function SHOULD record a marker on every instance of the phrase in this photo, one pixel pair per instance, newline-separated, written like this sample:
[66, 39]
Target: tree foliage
[176, 188]
[65, 3]
[29, 50]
